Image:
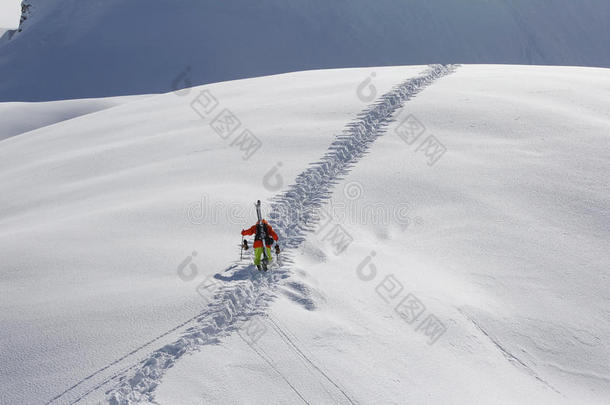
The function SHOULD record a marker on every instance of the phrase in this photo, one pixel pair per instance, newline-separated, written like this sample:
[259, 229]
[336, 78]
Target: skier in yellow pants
[257, 231]
[258, 252]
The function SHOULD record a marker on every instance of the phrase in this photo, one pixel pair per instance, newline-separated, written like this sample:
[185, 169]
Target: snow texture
[235, 303]
[505, 242]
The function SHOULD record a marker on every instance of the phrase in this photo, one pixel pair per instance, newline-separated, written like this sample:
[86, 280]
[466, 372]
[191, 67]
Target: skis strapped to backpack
[263, 234]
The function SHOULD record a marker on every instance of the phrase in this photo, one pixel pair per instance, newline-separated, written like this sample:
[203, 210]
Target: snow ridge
[293, 214]
[513, 359]
[290, 341]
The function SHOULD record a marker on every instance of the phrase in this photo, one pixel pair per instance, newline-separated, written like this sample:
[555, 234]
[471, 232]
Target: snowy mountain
[84, 49]
[444, 229]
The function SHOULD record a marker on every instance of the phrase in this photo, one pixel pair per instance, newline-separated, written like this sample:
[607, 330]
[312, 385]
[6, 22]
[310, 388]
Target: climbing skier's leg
[258, 252]
[269, 256]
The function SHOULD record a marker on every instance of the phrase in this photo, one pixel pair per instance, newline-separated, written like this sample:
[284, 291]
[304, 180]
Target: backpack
[268, 239]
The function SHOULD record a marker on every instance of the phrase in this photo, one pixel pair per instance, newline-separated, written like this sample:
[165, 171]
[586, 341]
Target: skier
[260, 229]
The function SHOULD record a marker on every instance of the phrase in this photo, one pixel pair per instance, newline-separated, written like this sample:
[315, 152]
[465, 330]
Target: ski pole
[244, 246]
[277, 253]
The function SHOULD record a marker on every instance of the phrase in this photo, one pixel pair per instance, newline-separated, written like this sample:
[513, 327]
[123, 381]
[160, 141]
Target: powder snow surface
[504, 240]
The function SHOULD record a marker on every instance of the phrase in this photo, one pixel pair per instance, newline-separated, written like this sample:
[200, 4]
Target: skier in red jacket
[258, 229]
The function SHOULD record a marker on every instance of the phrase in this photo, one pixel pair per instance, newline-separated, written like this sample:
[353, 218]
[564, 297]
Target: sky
[10, 11]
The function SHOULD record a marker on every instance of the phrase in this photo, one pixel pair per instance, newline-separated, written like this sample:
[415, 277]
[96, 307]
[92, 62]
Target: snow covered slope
[18, 118]
[503, 239]
[83, 49]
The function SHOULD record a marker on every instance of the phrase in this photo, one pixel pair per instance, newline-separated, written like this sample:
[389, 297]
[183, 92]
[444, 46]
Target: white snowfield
[445, 236]
[18, 117]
